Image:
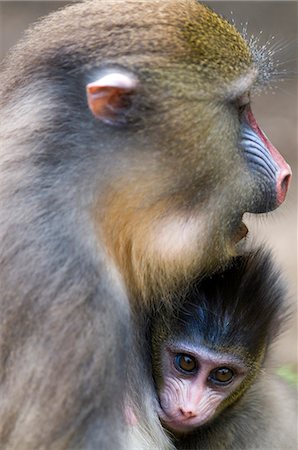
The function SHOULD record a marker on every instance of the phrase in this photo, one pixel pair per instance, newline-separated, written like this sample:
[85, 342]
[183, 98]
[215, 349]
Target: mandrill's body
[128, 156]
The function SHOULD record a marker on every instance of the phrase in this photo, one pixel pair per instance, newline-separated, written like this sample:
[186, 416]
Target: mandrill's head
[182, 94]
[154, 99]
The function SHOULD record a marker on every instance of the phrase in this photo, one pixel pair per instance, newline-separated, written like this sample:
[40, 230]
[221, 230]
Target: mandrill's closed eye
[242, 103]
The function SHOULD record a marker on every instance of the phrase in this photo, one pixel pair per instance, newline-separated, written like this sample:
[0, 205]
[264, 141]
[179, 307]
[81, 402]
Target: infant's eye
[185, 363]
[221, 375]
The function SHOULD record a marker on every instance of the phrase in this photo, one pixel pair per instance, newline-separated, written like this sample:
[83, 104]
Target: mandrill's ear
[110, 97]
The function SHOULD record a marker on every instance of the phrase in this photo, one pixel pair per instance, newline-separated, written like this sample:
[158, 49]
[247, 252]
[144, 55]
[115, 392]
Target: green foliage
[289, 374]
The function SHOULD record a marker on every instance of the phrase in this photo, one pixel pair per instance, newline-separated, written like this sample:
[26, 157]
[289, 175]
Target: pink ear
[108, 96]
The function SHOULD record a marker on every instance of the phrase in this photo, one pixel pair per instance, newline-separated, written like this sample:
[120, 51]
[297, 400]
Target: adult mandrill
[129, 154]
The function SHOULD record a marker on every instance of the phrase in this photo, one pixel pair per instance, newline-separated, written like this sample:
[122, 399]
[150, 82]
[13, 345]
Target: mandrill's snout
[282, 184]
[271, 172]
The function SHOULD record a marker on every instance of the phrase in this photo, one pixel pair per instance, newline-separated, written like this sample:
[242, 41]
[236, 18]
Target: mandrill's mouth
[240, 232]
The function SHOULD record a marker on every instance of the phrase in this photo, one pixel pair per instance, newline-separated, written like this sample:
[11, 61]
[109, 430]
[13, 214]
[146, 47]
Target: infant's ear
[110, 97]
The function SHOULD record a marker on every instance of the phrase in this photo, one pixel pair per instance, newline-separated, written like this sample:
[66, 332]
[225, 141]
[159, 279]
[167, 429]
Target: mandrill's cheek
[270, 171]
[177, 236]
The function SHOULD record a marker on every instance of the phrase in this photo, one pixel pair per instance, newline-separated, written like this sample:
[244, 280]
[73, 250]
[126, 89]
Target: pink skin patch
[129, 415]
[285, 173]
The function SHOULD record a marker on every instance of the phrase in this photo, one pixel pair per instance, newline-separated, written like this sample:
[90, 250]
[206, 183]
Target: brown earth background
[276, 113]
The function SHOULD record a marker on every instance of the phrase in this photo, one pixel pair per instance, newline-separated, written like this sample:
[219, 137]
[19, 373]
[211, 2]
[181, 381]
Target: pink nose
[283, 182]
[188, 414]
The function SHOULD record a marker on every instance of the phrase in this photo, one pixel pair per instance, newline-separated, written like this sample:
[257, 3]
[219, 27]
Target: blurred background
[276, 112]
